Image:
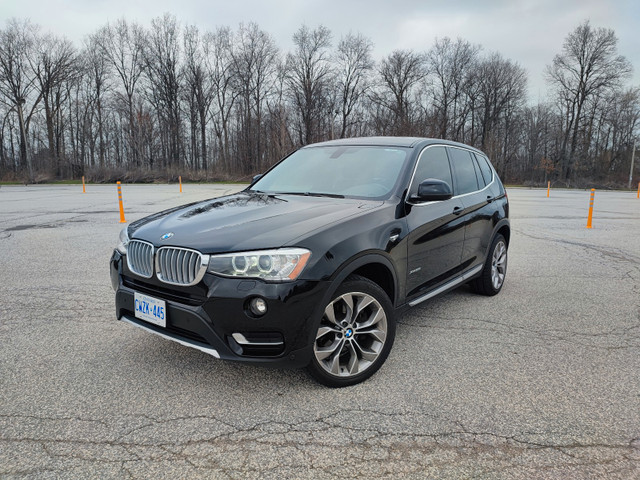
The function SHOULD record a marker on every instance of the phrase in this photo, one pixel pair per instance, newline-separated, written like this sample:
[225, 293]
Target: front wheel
[355, 334]
[491, 279]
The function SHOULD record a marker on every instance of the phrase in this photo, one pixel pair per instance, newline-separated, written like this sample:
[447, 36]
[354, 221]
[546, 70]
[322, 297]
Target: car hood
[246, 221]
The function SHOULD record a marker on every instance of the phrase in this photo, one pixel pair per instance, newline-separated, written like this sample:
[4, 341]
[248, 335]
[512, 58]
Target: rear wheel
[355, 334]
[491, 279]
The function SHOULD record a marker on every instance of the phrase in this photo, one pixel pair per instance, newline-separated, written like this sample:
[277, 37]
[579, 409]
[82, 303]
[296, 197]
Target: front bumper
[213, 316]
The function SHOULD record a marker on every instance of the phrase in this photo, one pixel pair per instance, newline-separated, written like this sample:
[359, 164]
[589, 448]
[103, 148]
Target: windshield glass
[349, 171]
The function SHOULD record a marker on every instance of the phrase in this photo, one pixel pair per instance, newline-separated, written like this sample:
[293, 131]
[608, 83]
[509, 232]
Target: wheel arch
[372, 266]
[503, 228]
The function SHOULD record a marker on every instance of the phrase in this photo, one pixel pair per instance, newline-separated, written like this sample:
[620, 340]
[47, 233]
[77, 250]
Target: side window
[481, 181]
[465, 171]
[433, 163]
[485, 168]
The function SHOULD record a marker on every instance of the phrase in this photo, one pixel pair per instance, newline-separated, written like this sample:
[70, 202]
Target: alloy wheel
[499, 265]
[351, 335]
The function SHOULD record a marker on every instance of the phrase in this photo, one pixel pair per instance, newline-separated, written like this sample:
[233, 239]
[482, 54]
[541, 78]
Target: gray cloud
[530, 32]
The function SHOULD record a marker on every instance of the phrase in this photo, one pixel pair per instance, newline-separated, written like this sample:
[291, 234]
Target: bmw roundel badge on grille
[167, 235]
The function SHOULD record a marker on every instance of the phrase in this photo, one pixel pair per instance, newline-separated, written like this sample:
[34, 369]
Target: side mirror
[431, 190]
[256, 178]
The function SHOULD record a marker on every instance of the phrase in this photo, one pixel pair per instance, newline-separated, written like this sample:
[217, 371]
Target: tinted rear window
[484, 168]
[465, 171]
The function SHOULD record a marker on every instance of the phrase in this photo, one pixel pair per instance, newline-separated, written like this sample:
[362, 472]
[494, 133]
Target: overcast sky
[530, 32]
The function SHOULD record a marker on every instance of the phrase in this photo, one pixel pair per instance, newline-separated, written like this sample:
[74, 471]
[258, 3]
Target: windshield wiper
[313, 194]
[318, 194]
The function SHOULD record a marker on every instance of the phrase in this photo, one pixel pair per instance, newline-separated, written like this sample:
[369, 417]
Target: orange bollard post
[180, 180]
[638, 195]
[590, 217]
[83, 189]
[548, 187]
[122, 220]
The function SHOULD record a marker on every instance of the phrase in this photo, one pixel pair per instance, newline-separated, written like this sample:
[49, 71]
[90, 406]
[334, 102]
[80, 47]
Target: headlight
[283, 264]
[123, 241]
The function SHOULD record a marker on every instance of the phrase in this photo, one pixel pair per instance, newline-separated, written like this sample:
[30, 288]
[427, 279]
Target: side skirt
[450, 284]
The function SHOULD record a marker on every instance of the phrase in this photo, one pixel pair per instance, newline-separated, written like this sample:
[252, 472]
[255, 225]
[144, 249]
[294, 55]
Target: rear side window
[484, 168]
[433, 163]
[465, 171]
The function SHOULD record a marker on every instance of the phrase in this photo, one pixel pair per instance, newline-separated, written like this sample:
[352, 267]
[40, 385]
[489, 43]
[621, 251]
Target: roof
[381, 141]
[408, 142]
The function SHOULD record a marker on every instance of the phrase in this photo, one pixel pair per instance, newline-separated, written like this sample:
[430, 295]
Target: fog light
[258, 306]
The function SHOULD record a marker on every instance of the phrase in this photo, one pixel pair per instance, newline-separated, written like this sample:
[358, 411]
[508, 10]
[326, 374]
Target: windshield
[349, 171]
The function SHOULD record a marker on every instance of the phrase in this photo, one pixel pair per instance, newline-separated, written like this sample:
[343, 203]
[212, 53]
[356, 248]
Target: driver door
[436, 229]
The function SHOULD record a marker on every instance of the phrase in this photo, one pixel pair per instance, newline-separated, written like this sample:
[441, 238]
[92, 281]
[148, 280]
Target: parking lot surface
[541, 381]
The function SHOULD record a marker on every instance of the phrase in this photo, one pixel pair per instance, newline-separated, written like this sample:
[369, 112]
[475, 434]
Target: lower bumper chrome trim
[242, 340]
[168, 336]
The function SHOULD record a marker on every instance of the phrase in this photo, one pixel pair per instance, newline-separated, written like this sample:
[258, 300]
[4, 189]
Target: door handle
[457, 210]
[490, 199]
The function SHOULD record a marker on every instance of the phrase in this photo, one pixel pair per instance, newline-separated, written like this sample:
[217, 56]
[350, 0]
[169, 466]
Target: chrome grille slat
[174, 262]
[180, 266]
[140, 258]
[185, 267]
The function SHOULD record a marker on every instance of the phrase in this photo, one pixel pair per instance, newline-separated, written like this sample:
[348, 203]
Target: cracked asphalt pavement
[541, 381]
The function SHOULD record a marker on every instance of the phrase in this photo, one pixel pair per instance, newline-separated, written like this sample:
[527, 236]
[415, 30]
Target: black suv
[310, 264]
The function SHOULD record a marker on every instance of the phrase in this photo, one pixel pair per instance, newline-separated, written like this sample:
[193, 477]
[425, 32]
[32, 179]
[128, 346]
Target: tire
[494, 272]
[348, 350]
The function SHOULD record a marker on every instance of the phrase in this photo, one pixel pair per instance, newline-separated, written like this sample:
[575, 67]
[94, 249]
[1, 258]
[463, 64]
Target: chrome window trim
[131, 269]
[202, 268]
[415, 168]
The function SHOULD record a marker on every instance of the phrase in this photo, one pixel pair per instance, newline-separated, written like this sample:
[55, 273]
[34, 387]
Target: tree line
[150, 103]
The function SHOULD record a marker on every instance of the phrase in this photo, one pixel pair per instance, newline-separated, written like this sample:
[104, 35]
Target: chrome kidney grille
[140, 258]
[180, 266]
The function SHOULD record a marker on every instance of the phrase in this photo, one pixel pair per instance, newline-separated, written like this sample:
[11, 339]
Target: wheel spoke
[330, 313]
[324, 329]
[348, 300]
[362, 304]
[352, 366]
[379, 335]
[368, 355]
[375, 317]
[324, 352]
[334, 364]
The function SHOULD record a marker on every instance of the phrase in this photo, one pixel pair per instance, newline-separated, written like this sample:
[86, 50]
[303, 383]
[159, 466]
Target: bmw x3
[310, 265]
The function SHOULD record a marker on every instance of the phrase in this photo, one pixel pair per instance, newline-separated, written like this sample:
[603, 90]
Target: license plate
[150, 309]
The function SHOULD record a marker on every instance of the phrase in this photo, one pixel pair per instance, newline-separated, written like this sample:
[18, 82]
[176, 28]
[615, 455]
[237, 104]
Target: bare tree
[353, 68]
[502, 90]
[255, 63]
[53, 62]
[452, 67]
[218, 55]
[400, 72]
[309, 73]
[98, 74]
[18, 84]
[200, 84]
[162, 57]
[588, 65]
[121, 44]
